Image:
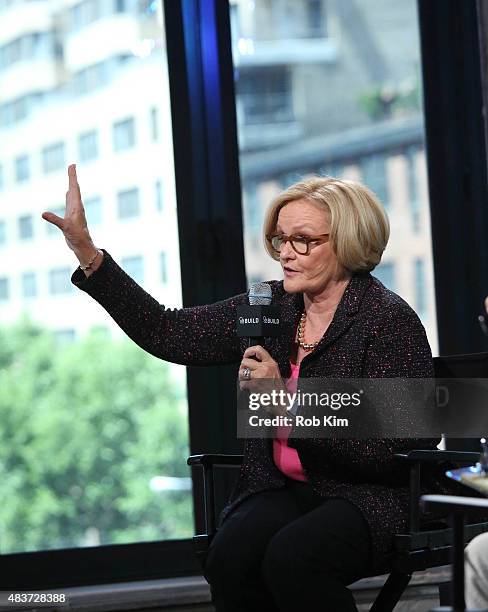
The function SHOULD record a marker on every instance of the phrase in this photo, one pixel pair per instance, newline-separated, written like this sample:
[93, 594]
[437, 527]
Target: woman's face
[306, 273]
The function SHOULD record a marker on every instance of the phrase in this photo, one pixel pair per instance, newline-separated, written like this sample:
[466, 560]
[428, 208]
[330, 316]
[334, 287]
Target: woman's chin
[292, 285]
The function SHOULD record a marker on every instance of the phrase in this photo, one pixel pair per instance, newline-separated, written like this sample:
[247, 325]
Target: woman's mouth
[289, 271]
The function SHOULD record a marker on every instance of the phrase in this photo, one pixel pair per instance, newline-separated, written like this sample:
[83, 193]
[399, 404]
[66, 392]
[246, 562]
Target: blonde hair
[359, 227]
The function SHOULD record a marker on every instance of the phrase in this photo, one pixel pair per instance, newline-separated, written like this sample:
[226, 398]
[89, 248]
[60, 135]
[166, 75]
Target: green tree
[83, 429]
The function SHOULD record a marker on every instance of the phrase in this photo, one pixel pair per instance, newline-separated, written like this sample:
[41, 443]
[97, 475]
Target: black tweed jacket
[374, 334]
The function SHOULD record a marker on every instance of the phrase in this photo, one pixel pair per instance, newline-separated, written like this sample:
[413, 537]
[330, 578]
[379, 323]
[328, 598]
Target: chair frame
[415, 550]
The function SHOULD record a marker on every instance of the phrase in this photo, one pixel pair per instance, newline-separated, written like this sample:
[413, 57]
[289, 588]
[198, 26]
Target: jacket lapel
[292, 306]
[346, 310]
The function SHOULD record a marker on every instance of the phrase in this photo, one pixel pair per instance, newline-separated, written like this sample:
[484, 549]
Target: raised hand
[73, 224]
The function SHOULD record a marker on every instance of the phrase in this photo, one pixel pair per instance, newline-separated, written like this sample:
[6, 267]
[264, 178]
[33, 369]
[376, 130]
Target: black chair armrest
[208, 462]
[214, 460]
[434, 456]
[417, 457]
[453, 504]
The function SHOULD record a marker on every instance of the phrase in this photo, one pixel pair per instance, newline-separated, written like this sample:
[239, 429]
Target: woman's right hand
[73, 225]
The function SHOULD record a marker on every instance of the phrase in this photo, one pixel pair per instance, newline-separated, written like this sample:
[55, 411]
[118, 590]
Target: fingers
[74, 188]
[252, 364]
[258, 352]
[72, 178]
[486, 304]
[54, 219]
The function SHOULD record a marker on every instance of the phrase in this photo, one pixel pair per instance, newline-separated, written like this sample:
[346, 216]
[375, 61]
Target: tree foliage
[83, 429]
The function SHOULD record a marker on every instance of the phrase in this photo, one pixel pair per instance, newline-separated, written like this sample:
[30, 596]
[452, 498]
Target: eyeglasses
[300, 244]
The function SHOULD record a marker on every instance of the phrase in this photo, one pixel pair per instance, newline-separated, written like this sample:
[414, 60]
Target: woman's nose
[287, 251]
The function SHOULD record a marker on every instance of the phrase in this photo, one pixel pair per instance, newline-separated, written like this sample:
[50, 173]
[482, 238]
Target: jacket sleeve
[398, 347]
[202, 335]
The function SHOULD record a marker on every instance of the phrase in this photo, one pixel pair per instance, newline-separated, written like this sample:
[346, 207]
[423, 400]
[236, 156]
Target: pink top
[286, 458]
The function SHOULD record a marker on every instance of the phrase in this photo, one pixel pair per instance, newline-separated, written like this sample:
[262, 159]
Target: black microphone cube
[258, 321]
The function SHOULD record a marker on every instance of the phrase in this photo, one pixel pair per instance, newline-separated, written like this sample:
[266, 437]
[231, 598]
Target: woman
[307, 516]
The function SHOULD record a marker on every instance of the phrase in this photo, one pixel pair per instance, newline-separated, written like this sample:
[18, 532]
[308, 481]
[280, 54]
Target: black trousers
[287, 550]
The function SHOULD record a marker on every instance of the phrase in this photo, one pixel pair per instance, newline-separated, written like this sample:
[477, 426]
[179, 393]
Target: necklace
[306, 346]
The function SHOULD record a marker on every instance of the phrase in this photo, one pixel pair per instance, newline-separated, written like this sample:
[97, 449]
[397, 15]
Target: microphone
[260, 294]
[260, 319]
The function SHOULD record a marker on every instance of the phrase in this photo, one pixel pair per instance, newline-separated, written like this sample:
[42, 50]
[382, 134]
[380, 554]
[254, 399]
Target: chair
[422, 546]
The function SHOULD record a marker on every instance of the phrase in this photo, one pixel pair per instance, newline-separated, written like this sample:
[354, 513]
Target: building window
[88, 146]
[3, 232]
[29, 284]
[53, 157]
[164, 268]
[84, 13]
[158, 189]
[316, 22]
[120, 6]
[385, 272]
[26, 227]
[264, 95]
[420, 287]
[254, 212]
[60, 281]
[4, 288]
[22, 172]
[128, 203]
[124, 134]
[52, 230]
[90, 78]
[373, 169]
[134, 266]
[154, 120]
[413, 190]
[93, 210]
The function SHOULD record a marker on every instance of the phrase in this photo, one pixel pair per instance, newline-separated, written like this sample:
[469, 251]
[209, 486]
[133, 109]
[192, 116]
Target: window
[374, 176]
[93, 210]
[26, 227]
[53, 157]
[60, 281]
[315, 18]
[134, 266]
[158, 189]
[51, 229]
[154, 121]
[124, 134]
[88, 146]
[413, 190]
[69, 124]
[91, 78]
[22, 168]
[24, 47]
[420, 287]
[4, 288]
[128, 203]
[84, 13]
[29, 284]
[264, 95]
[350, 128]
[385, 272]
[164, 268]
